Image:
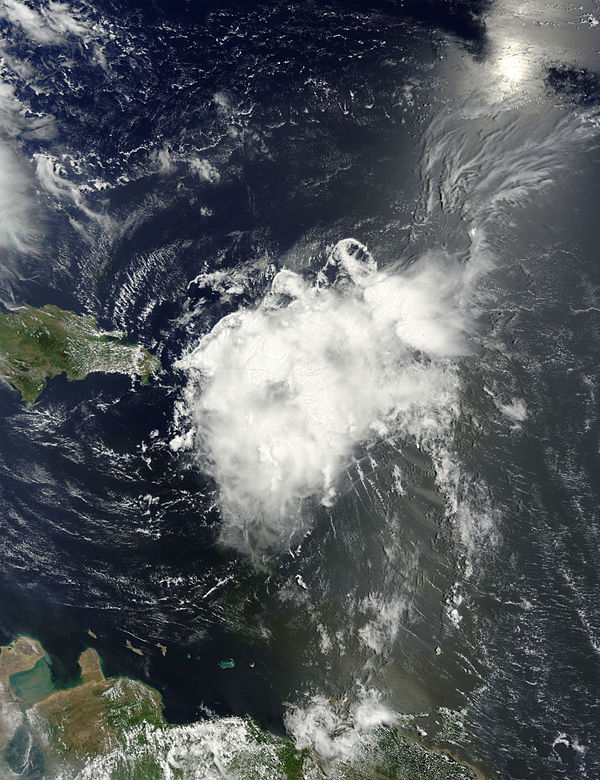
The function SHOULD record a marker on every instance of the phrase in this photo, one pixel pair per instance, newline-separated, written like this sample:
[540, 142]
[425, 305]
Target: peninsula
[114, 729]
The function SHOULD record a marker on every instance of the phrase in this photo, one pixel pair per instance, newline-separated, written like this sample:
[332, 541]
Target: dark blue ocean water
[397, 124]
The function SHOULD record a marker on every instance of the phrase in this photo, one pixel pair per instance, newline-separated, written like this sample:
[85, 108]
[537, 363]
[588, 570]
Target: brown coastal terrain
[113, 729]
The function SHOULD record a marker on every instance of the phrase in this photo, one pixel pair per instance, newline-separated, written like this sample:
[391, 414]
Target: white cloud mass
[48, 24]
[278, 396]
[16, 232]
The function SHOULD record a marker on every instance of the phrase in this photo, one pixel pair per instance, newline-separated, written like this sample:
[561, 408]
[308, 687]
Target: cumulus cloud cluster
[278, 396]
[205, 170]
[15, 219]
[53, 24]
[319, 727]
[48, 24]
[18, 231]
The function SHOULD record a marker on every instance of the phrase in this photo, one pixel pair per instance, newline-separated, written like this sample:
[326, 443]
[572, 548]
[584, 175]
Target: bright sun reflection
[511, 67]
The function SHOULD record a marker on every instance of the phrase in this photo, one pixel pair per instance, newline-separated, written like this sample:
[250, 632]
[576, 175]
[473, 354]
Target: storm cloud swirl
[278, 396]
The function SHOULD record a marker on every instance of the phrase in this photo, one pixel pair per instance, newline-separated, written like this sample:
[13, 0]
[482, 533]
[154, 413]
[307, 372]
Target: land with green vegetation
[37, 344]
[114, 729]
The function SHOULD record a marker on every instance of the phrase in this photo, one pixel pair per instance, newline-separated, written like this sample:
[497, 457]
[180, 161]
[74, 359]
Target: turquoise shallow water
[33, 684]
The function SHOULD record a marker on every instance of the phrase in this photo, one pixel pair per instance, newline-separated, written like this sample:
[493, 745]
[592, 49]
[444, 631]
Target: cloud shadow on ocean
[579, 85]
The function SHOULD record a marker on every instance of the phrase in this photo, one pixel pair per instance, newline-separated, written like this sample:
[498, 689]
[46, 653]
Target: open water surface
[165, 162]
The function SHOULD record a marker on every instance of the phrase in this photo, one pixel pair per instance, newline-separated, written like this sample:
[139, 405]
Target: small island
[37, 344]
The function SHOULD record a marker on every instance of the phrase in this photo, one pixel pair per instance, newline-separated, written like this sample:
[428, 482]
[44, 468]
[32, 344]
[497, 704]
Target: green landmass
[37, 344]
[114, 729]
